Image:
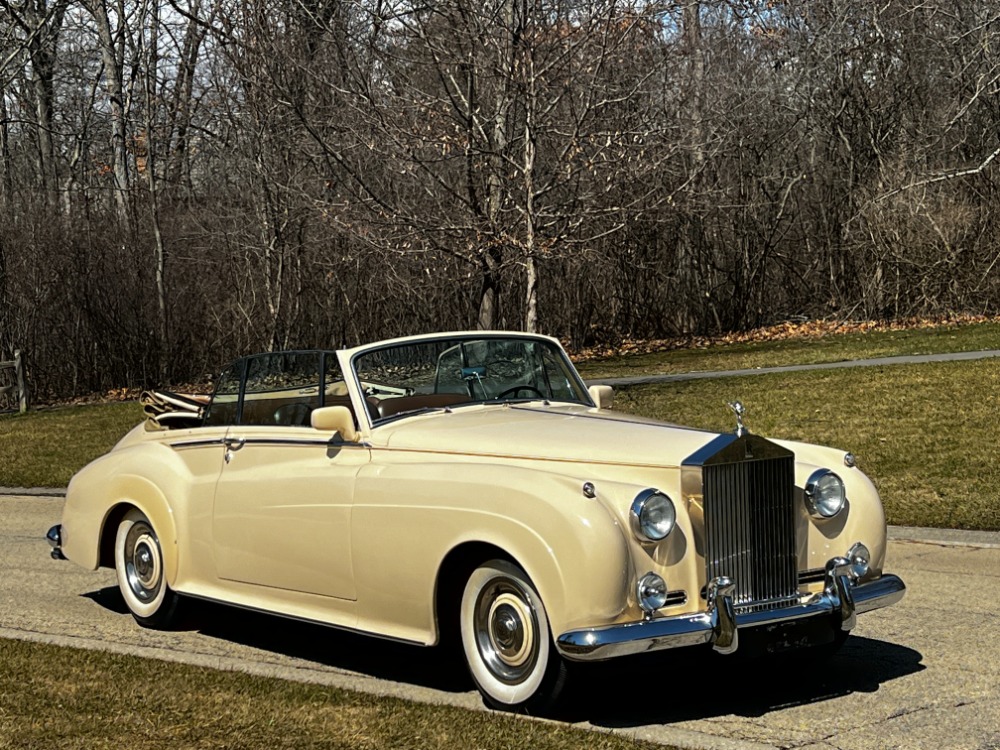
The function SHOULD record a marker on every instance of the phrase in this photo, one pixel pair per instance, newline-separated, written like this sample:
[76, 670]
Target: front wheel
[139, 566]
[506, 638]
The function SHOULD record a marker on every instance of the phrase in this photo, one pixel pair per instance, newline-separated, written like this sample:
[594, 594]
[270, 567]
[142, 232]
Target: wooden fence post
[22, 388]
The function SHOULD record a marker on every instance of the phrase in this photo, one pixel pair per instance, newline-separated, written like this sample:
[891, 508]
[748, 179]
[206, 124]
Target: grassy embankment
[45, 448]
[69, 698]
[925, 434]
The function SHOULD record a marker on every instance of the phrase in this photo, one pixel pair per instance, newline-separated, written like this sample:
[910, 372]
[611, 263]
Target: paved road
[914, 359]
[923, 674]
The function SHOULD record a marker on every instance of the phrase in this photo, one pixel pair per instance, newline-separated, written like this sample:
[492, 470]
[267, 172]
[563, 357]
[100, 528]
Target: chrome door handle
[234, 443]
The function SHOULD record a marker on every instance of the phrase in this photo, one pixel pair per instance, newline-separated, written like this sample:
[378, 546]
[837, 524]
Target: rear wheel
[506, 639]
[139, 566]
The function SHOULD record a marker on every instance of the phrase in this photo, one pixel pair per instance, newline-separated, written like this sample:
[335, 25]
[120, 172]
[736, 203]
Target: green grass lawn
[45, 448]
[833, 348]
[925, 434]
[54, 697]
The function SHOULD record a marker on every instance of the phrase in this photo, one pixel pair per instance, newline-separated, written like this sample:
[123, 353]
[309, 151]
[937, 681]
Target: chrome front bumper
[841, 600]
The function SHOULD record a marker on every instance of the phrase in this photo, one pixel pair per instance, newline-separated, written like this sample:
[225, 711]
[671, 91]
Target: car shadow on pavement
[700, 684]
[110, 598]
[667, 687]
[376, 657]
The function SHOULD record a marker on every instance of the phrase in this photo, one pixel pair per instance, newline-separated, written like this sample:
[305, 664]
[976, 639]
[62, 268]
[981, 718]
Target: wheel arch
[138, 492]
[453, 572]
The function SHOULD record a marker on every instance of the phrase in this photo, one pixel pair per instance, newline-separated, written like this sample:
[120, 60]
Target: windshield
[439, 373]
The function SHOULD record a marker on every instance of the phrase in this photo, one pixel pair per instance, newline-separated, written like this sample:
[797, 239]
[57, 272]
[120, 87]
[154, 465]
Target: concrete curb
[946, 537]
[34, 491]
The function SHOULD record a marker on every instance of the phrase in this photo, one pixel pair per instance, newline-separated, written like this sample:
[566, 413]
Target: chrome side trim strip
[720, 628]
[264, 441]
[197, 442]
[291, 441]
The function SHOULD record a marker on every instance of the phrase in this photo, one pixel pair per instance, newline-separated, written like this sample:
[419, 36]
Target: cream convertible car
[471, 483]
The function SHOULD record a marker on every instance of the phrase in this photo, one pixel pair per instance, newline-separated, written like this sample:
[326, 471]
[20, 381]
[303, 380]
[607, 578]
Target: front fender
[408, 517]
[863, 520]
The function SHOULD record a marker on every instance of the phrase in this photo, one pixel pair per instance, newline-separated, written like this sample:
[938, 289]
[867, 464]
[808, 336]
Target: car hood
[567, 433]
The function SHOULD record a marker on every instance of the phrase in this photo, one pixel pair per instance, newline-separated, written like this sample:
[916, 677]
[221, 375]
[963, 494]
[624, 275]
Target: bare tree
[112, 24]
[37, 26]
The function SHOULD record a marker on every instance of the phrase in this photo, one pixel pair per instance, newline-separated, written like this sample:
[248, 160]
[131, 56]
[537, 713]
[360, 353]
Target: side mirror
[603, 395]
[335, 419]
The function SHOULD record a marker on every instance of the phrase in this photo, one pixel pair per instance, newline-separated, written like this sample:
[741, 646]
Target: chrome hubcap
[506, 628]
[143, 568]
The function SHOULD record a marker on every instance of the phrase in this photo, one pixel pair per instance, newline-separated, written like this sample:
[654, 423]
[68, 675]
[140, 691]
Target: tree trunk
[6, 170]
[177, 172]
[689, 241]
[489, 297]
[6, 336]
[493, 257]
[42, 25]
[41, 86]
[112, 55]
[149, 92]
[528, 177]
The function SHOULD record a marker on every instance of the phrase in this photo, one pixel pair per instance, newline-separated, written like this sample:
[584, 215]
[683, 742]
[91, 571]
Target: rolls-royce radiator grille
[750, 530]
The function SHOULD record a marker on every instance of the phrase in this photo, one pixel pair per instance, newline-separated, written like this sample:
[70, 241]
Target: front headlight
[652, 515]
[825, 494]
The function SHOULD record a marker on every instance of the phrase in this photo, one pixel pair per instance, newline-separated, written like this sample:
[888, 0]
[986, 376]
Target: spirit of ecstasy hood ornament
[739, 411]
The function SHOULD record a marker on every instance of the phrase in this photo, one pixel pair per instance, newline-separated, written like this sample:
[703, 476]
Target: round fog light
[860, 559]
[652, 592]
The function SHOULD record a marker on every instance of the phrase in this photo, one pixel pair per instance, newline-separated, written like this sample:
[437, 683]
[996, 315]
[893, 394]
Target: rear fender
[100, 494]
[139, 492]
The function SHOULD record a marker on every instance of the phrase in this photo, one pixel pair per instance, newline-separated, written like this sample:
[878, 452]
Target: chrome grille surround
[744, 488]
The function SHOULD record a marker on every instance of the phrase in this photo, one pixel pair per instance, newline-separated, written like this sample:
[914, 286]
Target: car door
[282, 510]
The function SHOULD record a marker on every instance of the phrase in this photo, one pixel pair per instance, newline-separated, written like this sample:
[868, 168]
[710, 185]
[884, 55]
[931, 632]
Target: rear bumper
[54, 538]
[841, 600]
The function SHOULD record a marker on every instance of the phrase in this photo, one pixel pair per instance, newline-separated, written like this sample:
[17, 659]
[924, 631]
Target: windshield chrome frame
[355, 381]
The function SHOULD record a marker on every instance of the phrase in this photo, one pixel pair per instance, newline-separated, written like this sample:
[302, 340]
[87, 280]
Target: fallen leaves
[809, 329]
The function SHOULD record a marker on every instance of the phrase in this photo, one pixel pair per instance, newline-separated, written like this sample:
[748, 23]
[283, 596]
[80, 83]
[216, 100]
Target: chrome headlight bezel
[652, 516]
[825, 494]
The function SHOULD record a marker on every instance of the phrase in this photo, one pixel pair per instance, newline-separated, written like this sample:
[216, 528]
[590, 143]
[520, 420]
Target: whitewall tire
[506, 639]
[141, 576]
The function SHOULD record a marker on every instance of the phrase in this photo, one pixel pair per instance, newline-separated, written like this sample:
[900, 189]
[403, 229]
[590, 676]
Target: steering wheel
[516, 388]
